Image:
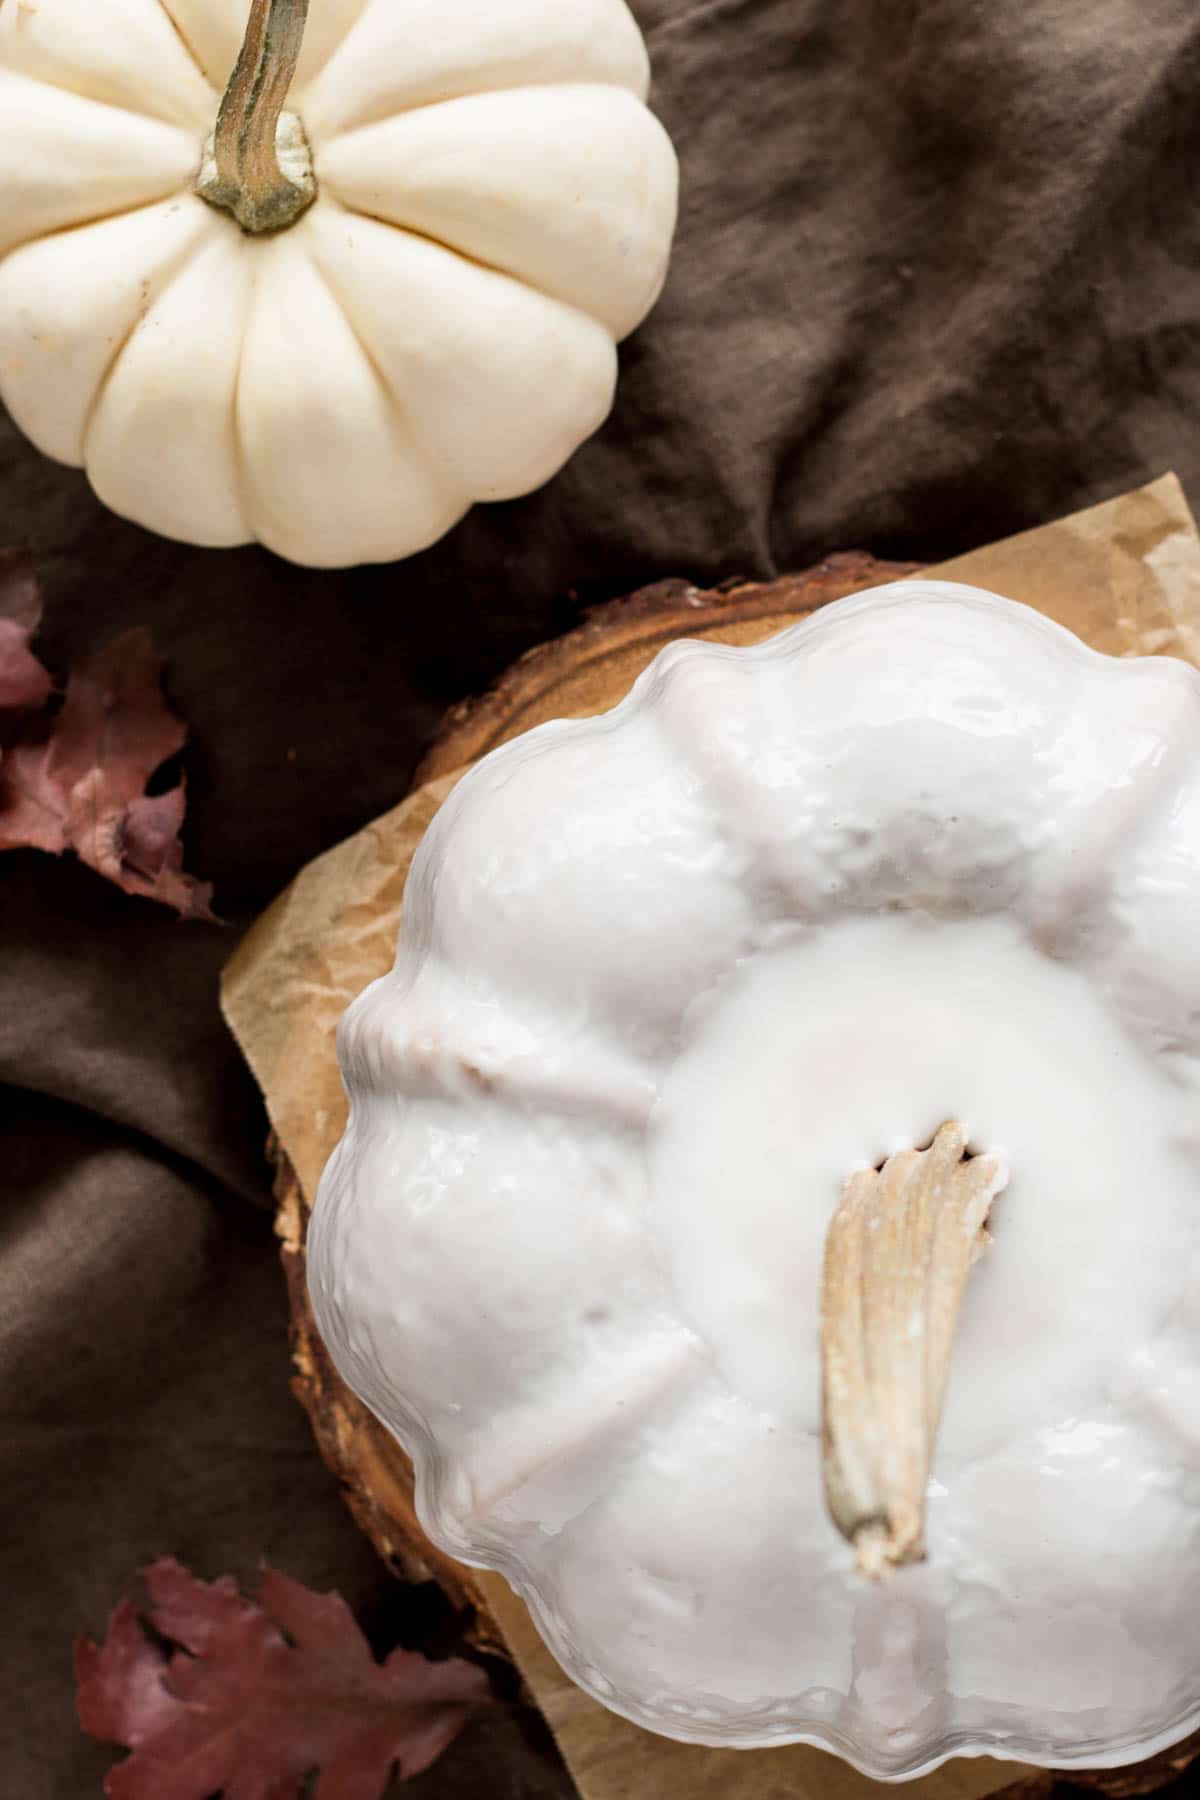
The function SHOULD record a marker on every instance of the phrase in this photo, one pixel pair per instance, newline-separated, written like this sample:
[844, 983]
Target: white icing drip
[862, 1038]
[802, 890]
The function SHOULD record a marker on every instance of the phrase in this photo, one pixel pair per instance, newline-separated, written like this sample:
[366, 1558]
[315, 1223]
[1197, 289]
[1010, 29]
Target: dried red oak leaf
[77, 781]
[24, 684]
[260, 1695]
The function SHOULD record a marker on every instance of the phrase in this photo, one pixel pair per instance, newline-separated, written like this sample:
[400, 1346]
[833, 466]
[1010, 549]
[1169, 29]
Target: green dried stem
[257, 164]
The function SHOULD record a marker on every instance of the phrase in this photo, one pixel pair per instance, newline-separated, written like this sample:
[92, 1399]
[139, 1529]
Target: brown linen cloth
[937, 278]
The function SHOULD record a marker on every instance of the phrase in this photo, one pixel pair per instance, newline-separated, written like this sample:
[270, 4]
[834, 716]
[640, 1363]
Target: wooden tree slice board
[591, 668]
[584, 672]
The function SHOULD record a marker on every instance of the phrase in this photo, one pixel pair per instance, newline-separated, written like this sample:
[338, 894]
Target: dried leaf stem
[897, 1256]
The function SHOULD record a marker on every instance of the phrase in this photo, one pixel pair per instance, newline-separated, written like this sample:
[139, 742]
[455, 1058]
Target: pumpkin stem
[257, 163]
[897, 1255]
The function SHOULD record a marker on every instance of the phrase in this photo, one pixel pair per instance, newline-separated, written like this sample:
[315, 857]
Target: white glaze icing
[666, 977]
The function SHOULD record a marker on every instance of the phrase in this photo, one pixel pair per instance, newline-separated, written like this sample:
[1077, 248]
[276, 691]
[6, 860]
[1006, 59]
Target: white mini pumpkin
[667, 980]
[494, 209]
